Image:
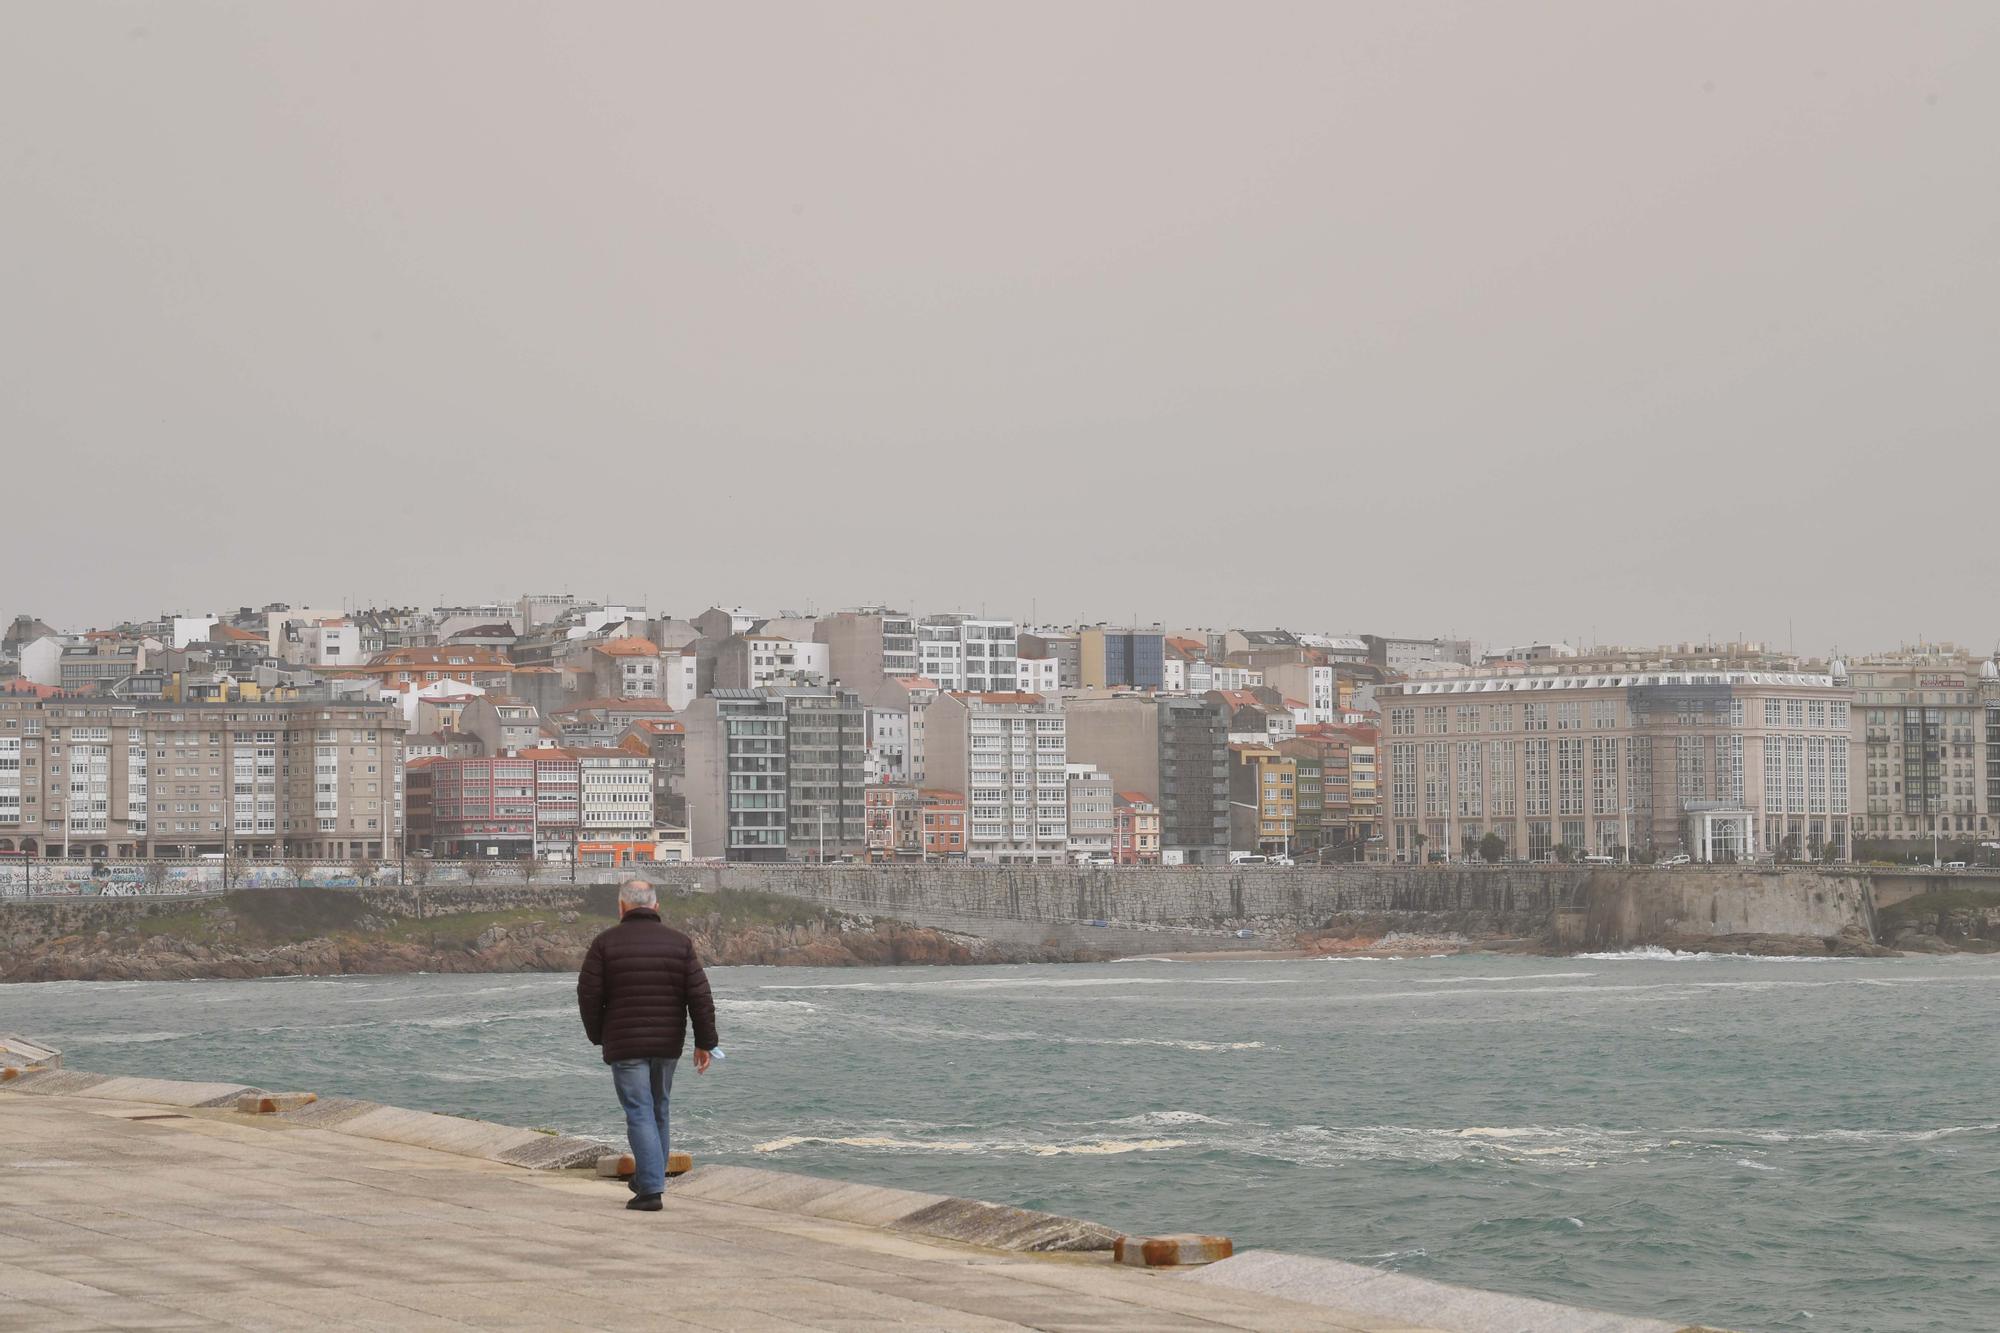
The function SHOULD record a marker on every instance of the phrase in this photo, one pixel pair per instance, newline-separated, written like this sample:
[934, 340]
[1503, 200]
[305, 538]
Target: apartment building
[1327, 768]
[868, 643]
[1175, 747]
[615, 796]
[1309, 680]
[776, 773]
[1416, 654]
[1037, 674]
[1006, 753]
[735, 749]
[1263, 799]
[86, 666]
[627, 668]
[1717, 764]
[1091, 824]
[1121, 658]
[826, 772]
[915, 823]
[503, 722]
[1927, 727]
[761, 660]
[509, 806]
[967, 654]
[664, 741]
[1135, 829]
[1062, 647]
[103, 778]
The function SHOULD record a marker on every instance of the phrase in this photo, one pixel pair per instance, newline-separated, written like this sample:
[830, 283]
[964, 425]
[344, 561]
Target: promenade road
[139, 1215]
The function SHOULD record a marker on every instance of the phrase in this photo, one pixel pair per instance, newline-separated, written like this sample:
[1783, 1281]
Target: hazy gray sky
[1522, 320]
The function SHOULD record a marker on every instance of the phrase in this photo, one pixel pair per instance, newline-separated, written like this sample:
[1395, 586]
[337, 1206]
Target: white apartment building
[888, 735]
[963, 653]
[1037, 675]
[1311, 684]
[615, 790]
[680, 672]
[330, 643]
[1006, 753]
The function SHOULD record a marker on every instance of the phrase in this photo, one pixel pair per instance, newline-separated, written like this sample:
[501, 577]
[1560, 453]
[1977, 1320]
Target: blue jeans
[643, 1089]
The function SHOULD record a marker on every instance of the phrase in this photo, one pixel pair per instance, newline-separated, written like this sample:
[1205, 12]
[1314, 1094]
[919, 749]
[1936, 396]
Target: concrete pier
[140, 1203]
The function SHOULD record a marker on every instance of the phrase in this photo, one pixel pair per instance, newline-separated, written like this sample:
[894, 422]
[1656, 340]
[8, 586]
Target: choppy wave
[982, 1147]
[1525, 976]
[1029, 983]
[129, 1038]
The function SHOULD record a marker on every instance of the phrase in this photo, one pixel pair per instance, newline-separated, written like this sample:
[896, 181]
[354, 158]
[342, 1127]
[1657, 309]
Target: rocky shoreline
[323, 932]
[307, 932]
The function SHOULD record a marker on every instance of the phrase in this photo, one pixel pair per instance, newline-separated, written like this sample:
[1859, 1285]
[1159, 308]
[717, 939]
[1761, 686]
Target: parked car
[1677, 859]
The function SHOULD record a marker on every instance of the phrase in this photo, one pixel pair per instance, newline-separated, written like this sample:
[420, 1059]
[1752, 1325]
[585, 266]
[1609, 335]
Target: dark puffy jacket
[639, 986]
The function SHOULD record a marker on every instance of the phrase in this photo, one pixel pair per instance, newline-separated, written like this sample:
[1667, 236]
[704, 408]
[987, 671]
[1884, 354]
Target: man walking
[639, 986]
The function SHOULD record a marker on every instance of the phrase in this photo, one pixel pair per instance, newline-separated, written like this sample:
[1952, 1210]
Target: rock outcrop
[240, 935]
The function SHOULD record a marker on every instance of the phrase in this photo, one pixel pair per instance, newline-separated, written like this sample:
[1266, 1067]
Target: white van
[1247, 859]
[1600, 860]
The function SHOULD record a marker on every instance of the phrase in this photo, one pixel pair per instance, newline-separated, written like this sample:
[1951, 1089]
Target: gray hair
[637, 893]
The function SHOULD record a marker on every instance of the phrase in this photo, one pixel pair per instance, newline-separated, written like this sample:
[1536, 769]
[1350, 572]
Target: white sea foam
[1755, 1166]
[1653, 953]
[1169, 1118]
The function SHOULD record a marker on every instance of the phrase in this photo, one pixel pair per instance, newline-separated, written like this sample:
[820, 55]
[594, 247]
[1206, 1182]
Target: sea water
[1758, 1144]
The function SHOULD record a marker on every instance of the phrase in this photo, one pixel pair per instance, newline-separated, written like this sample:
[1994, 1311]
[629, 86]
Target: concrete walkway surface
[130, 1214]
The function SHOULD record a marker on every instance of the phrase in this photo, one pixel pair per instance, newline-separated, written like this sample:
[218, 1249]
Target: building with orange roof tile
[1135, 829]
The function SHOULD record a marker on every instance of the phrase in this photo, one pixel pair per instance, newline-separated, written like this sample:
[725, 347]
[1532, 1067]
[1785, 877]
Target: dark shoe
[645, 1203]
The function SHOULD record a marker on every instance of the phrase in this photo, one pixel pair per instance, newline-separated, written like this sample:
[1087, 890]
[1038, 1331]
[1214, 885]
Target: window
[1500, 767]
[1604, 775]
[1536, 777]
[1569, 777]
[1689, 767]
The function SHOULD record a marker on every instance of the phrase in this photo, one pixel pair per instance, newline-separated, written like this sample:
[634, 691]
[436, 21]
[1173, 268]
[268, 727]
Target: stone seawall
[1627, 909]
[1182, 896]
[1572, 906]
